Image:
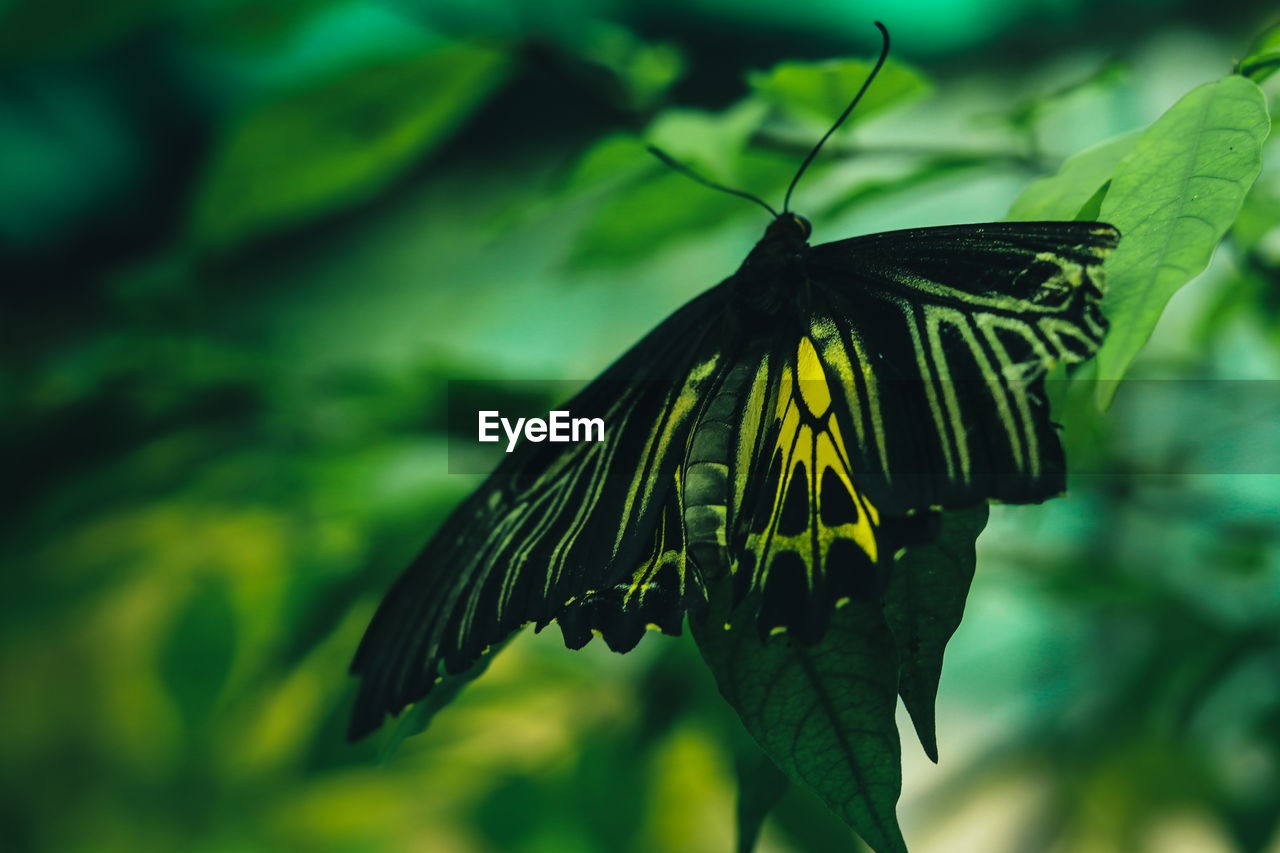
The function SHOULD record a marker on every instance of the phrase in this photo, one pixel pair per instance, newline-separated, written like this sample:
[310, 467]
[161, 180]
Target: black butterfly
[788, 432]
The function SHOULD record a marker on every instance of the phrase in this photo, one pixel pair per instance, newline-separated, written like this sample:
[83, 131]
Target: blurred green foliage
[1263, 56]
[244, 245]
[337, 142]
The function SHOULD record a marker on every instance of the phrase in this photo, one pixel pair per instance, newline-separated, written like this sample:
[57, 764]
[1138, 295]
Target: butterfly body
[769, 289]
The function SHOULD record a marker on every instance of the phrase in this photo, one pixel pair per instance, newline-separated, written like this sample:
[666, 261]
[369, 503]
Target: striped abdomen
[706, 475]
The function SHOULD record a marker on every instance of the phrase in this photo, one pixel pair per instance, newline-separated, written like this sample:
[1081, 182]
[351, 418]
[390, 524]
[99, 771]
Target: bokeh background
[245, 245]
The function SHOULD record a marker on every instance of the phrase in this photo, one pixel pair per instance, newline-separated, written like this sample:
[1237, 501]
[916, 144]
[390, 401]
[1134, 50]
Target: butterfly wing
[690, 543]
[919, 385]
[553, 525]
[806, 536]
[938, 341]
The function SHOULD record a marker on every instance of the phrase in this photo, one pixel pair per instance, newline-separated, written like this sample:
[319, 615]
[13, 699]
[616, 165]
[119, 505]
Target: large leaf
[923, 606]
[1173, 197]
[1062, 195]
[337, 142]
[824, 713]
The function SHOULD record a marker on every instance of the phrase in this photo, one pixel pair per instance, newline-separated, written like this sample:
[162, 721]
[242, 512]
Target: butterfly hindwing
[807, 535]
[690, 545]
[655, 595]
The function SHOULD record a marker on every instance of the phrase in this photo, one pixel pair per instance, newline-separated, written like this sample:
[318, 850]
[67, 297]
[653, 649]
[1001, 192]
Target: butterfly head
[791, 227]
[767, 282]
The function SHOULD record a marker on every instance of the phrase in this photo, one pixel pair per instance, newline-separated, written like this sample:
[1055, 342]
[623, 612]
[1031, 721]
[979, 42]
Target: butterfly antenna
[884, 53]
[689, 173]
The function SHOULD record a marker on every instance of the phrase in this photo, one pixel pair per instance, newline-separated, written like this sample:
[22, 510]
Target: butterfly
[788, 432]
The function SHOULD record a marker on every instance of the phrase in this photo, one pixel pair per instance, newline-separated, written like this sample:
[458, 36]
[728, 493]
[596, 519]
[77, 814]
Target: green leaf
[611, 160]
[820, 91]
[923, 606]
[195, 660]
[824, 713]
[710, 143]
[1264, 56]
[337, 142]
[1173, 197]
[1091, 211]
[1061, 196]
[760, 785]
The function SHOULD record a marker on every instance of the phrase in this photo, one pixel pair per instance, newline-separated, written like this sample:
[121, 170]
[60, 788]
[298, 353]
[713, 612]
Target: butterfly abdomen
[707, 474]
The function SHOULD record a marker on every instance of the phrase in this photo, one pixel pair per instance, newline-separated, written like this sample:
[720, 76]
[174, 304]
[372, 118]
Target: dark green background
[245, 246]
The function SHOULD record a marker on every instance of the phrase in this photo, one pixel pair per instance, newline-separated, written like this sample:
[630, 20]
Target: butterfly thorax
[772, 280]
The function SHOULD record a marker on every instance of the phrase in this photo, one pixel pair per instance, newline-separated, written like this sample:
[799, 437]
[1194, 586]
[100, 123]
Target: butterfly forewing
[551, 525]
[941, 338]
[655, 595]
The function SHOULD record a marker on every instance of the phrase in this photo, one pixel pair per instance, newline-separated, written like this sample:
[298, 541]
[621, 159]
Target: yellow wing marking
[832, 454]
[838, 360]
[813, 379]
[930, 390]
[751, 426]
[810, 436]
